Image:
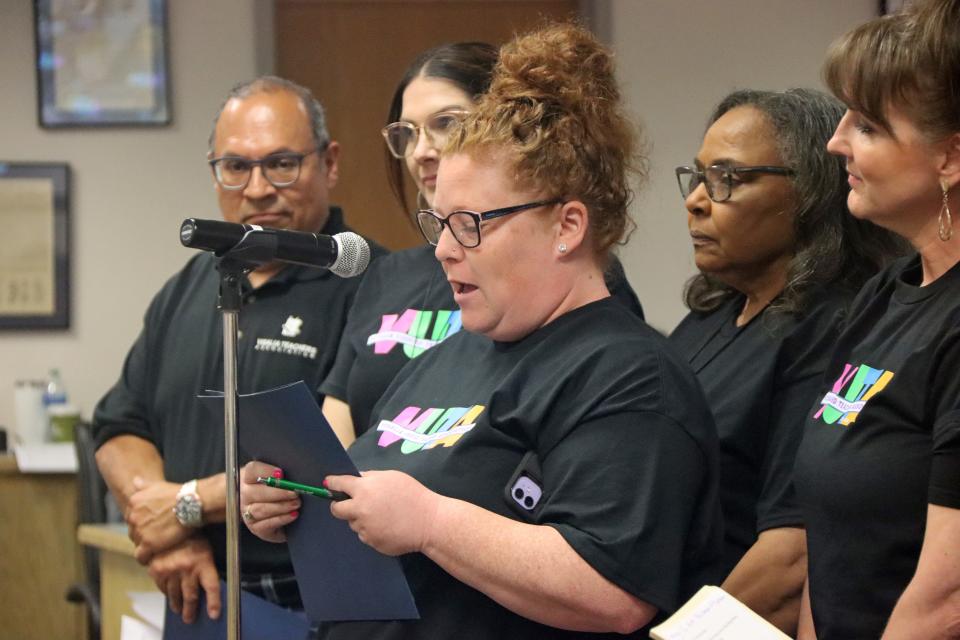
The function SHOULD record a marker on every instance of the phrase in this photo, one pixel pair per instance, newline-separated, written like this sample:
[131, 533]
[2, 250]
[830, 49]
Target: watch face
[189, 510]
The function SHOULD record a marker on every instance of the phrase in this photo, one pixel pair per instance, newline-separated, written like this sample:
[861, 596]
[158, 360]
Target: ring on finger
[247, 515]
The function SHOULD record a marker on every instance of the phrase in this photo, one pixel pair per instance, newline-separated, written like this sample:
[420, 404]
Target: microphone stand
[255, 249]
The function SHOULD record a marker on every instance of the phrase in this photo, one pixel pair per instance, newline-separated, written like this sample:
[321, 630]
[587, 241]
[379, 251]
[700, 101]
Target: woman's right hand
[266, 510]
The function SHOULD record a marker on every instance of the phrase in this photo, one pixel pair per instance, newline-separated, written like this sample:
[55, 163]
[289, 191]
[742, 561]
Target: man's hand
[182, 571]
[152, 525]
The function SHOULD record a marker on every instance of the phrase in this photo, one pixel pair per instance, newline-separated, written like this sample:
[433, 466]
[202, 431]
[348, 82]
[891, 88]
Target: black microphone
[345, 254]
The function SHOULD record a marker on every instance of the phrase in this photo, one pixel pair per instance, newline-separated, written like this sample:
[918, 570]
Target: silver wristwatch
[188, 508]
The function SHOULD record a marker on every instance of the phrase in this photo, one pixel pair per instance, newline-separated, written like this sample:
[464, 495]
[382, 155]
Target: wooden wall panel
[352, 54]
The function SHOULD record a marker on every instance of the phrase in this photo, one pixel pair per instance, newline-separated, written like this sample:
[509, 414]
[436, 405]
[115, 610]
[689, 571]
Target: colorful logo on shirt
[417, 428]
[861, 383]
[416, 330]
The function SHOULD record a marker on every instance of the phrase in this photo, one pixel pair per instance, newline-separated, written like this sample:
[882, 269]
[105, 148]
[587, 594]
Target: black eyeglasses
[280, 169]
[401, 137]
[465, 225]
[719, 179]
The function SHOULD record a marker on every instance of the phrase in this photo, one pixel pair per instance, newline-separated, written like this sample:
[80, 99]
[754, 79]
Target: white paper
[133, 629]
[58, 457]
[713, 614]
[150, 606]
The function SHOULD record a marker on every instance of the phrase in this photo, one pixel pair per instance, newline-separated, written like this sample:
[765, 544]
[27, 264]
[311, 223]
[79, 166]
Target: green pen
[303, 489]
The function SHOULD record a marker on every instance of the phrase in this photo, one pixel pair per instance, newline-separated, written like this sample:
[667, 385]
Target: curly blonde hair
[554, 109]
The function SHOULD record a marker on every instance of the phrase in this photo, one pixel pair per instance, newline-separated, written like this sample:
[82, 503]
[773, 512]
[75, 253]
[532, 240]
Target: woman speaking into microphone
[551, 470]
[404, 305]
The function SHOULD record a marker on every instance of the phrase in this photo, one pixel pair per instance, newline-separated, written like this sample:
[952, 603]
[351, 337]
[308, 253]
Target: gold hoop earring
[945, 223]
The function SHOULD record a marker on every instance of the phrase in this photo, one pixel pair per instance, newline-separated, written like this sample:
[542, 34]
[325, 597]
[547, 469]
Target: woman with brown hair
[551, 470]
[404, 306]
[878, 472]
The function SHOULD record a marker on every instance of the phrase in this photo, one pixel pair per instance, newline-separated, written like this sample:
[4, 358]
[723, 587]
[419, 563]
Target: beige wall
[132, 187]
[677, 58]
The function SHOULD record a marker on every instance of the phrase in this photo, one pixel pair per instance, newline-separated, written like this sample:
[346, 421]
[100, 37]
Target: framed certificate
[34, 246]
[101, 62]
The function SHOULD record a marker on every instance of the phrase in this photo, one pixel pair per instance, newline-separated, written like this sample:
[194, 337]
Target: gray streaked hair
[831, 246]
[269, 84]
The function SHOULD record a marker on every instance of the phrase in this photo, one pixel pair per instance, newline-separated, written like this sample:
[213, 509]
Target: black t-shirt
[759, 379]
[405, 306]
[621, 434]
[289, 329]
[881, 442]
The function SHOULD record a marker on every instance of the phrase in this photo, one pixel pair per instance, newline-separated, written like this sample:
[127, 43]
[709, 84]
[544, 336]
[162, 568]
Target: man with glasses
[273, 164]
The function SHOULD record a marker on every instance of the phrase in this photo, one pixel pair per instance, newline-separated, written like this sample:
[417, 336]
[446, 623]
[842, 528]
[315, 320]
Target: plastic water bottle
[56, 393]
[54, 396]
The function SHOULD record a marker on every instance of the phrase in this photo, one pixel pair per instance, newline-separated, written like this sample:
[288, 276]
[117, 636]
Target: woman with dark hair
[404, 305]
[779, 259]
[458, 72]
[878, 472]
[552, 390]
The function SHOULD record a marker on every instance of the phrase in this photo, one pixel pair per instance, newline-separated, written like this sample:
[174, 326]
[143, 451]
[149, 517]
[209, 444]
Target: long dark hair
[468, 65]
[832, 247]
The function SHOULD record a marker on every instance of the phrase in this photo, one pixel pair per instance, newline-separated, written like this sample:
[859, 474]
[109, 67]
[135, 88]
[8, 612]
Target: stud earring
[562, 248]
[944, 221]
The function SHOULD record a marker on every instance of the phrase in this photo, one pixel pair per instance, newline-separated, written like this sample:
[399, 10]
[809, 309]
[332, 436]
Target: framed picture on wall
[34, 247]
[101, 62]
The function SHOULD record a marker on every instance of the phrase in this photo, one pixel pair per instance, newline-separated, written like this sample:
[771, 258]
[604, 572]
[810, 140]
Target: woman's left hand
[389, 510]
[266, 510]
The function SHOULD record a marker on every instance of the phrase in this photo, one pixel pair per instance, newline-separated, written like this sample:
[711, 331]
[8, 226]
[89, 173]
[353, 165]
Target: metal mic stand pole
[231, 275]
[252, 251]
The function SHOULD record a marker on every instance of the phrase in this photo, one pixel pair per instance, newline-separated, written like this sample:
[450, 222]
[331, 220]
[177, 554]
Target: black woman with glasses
[779, 259]
[405, 306]
[550, 471]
